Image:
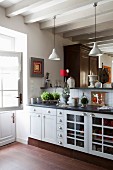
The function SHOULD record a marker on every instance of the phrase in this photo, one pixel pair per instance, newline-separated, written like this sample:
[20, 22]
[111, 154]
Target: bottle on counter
[84, 100]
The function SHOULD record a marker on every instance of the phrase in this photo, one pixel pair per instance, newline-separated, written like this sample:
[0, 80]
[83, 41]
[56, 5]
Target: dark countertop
[89, 108]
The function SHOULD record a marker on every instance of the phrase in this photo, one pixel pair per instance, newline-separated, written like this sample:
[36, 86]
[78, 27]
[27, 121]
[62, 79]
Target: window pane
[10, 82]
[8, 64]
[10, 69]
[0, 83]
[9, 98]
[7, 43]
[0, 99]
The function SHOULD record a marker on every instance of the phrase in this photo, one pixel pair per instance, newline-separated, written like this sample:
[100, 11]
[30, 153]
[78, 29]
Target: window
[10, 71]
[7, 43]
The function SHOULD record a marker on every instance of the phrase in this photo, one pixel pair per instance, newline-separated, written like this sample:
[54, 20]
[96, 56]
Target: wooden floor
[18, 156]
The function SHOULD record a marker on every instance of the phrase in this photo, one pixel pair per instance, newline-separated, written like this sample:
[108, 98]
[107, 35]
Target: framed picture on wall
[109, 72]
[37, 67]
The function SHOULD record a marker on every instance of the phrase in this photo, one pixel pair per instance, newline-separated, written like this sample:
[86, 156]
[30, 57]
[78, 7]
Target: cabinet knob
[60, 127]
[44, 116]
[60, 135]
[34, 110]
[60, 120]
[60, 113]
[84, 114]
[60, 142]
[48, 111]
[92, 115]
[38, 115]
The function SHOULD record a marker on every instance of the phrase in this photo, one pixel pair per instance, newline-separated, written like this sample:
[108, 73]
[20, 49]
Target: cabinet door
[84, 67]
[101, 135]
[35, 126]
[76, 130]
[49, 128]
[93, 65]
[7, 128]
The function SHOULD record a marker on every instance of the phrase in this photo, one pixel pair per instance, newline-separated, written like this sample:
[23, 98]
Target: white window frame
[19, 55]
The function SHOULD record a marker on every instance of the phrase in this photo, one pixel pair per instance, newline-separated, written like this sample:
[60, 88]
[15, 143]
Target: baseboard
[22, 141]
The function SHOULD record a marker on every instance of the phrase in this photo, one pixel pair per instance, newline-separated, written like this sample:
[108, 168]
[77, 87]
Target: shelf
[95, 125]
[96, 134]
[86, 88]
[96, 143]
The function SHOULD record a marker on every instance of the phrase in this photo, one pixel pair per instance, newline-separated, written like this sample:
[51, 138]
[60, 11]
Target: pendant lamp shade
[54, 55]
[95, 50]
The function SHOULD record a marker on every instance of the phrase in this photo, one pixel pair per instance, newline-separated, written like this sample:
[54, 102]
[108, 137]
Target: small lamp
[54, 55]
[64, 73]
[95, 50]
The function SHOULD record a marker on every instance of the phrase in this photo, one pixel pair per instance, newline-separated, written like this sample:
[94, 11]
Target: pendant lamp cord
[54, 30]
[95, 5]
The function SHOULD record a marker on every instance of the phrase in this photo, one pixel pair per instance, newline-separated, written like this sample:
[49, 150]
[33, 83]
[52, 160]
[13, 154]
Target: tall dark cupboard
[79, 63]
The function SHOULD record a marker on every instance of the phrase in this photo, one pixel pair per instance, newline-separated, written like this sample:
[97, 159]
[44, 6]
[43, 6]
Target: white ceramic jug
[71, 82]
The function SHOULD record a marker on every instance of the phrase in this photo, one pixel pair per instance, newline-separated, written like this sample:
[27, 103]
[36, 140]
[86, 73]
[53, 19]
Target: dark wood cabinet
[93, 65]
[77, 60]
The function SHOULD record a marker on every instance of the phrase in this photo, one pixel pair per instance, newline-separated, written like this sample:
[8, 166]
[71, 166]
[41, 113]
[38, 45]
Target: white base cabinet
[43, 124]
[101, 135]
[36, 123]
[7, 127]
[49, 128]
[76, 130]
[83, 131]
[89, 132]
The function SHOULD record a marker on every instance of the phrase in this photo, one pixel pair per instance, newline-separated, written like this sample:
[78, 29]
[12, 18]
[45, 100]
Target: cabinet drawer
[60, 112]
[35, 109]
[60, 134]
[49, 111]
[60, 127]
[60, 120]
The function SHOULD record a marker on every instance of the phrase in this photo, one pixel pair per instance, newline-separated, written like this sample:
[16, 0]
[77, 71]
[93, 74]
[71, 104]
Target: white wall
[40, 45]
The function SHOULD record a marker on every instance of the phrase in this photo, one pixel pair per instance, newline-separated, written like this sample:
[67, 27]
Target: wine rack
[76, 135]
[102, 135]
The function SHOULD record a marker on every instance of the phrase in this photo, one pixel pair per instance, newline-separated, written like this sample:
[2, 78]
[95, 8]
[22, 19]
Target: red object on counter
[63, 73]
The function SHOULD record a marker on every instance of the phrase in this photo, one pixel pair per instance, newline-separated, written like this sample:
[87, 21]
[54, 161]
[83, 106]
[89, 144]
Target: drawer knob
[60, 135]
[60, 120]
[60, 142]
[38, 115]
[34, 110]
[48, 111]
[92, 115]
[60, 113]
[84, 114]
[60, 127]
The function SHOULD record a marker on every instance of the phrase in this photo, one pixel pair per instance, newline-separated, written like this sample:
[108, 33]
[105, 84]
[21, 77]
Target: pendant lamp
[54, 55]
[95, 50]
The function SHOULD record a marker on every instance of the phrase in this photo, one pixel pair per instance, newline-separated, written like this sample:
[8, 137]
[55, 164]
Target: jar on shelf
[71, 82]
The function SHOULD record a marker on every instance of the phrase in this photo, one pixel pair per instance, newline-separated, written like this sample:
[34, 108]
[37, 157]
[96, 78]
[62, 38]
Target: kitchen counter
[89, 108]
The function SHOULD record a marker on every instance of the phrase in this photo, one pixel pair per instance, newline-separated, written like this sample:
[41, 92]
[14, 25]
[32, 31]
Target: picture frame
[37, 67]
[109, 72]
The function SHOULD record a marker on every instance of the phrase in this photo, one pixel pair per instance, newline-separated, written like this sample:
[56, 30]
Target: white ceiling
[74, 18]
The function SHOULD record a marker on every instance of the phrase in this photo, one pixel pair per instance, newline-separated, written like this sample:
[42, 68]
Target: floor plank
[18, 156]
